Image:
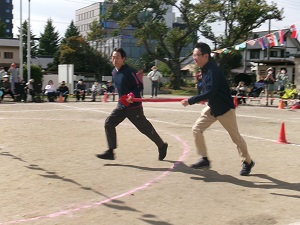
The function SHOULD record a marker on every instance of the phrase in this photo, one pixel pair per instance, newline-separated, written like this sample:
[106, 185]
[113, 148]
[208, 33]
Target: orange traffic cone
[235, 102]
[105, 97]
[60, 99]
[281, 104]
[281, 139]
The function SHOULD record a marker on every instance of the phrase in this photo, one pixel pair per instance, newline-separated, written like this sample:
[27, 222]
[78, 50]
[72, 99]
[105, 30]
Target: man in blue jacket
[128, 86]
[220, 107]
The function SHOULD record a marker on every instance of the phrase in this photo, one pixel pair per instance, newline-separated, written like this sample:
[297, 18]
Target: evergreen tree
[33, 45]
[96, 33]
[49, 40]
[71, 32]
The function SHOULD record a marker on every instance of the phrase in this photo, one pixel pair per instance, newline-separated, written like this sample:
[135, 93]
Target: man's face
[199, 58]
[117, 59]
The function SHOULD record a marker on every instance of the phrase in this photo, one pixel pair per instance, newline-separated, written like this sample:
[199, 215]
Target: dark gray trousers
[137, 117]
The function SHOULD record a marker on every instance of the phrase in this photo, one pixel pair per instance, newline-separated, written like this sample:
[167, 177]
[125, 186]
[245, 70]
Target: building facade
[6, 16]
[9, 52]
[277, 57]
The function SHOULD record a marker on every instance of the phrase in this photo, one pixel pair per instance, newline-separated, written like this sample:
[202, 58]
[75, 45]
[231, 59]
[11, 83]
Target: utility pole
[28, 44]
[268, 47]
[21, 44]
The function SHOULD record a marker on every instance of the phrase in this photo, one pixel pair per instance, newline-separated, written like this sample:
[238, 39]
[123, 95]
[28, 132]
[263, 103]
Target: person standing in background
[155, 77]
[283, 78]
[270, 80]
[14, 76]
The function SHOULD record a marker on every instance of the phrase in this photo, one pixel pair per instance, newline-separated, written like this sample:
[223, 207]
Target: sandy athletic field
[50, 175]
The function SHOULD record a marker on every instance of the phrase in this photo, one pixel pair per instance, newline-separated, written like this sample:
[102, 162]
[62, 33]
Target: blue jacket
[215, 90]
[126, 81]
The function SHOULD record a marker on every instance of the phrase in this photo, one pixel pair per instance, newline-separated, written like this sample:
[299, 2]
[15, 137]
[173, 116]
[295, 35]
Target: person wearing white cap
[6, 87]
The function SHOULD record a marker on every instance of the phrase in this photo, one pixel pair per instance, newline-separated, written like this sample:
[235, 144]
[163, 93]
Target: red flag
[281, 37]
[270, 38]
[294, 31]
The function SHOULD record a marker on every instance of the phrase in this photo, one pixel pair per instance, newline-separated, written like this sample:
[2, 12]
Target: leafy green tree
[35, 73]
[49, 40]
[2, 29]
[70, 32]
[33, 45]
[240, 17]
[96, 33]
[77, 51]
[165, 44]
[161, 42]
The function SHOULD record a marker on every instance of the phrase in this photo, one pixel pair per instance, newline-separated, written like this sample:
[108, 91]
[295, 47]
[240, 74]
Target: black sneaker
[202, 164]
[108, 155]
[162, 152]
[246, 168]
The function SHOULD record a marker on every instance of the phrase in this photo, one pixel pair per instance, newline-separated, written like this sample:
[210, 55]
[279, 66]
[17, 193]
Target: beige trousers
[228, 121]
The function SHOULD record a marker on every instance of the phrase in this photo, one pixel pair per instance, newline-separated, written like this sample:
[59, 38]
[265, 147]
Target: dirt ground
[50, 175]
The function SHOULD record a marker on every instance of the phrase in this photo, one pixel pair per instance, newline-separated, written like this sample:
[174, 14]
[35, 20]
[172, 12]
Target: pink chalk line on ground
[183, 156]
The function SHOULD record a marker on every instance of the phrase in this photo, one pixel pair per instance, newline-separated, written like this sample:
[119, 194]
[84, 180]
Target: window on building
[273, 54]
[254, 54]
[7, 10]
[8, 55]
[287, 54]
[7, 20]
[7, 1]
[7, 30]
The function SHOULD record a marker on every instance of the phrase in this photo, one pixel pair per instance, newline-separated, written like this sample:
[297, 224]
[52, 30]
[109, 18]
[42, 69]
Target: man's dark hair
[205, 49]
[121, 51]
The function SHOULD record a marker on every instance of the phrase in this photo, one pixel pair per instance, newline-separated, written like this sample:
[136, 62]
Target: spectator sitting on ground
[2, 73]
[50, 91]
[110, 89]
[6, 87]
[29, 89]
[241, 92]
[63, 91]
[95, 90]
[80, 90]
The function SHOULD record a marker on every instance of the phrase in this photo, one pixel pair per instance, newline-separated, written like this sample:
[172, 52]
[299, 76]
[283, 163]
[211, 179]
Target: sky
[62, 12]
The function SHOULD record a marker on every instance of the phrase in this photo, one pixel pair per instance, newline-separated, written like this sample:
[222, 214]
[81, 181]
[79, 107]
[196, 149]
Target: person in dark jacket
[128, 87]
[63, 91]
[219, 107]
[80, 90]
